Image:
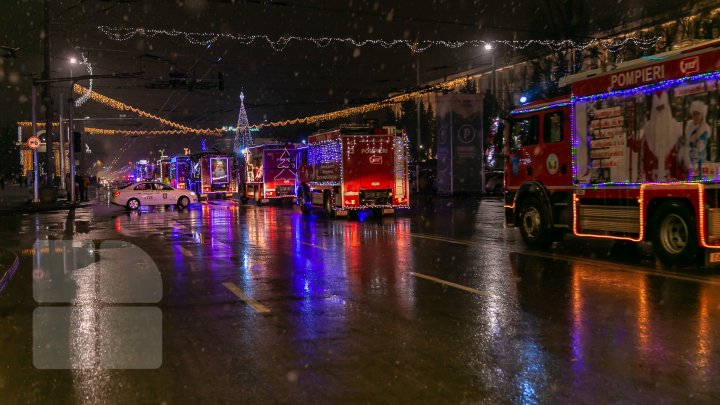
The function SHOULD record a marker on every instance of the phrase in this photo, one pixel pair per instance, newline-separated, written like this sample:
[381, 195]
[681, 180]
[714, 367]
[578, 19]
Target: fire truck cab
[631, 154]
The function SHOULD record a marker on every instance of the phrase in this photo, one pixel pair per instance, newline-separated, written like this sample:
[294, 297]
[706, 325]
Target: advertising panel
[219, 170]
[459, 143]
[661, 136]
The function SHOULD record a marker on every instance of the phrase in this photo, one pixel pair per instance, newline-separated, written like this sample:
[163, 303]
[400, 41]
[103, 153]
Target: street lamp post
[61, 155]
[490, 48]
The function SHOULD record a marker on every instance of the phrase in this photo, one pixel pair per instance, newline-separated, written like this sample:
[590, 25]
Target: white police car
[152, 193]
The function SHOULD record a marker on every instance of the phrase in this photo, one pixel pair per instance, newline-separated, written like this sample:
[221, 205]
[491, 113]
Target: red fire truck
[631, 155]
[212, 174]
[162, 169]
[269, 172]
[353, 168]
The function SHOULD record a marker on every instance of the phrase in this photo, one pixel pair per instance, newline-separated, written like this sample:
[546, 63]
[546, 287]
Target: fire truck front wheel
[328, 204]
[533, 220]
[303, 202]
[674, 235]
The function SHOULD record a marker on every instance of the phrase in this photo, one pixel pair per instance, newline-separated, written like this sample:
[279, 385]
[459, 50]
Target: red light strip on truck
[701, 215]
[640, 237]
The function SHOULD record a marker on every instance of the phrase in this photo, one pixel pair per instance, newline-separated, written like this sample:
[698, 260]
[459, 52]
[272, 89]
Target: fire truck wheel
[674, 238]
[305, 207]
[133, 204]
[533, 223]
[327, 204]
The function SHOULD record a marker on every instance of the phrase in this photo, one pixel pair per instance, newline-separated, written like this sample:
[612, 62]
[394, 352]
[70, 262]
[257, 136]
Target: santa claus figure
[660, 136]
[218, 170]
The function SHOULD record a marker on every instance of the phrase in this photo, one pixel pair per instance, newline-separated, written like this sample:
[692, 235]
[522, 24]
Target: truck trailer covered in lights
[632, 154]
[209, 174]
[270, 172]
[353, 168]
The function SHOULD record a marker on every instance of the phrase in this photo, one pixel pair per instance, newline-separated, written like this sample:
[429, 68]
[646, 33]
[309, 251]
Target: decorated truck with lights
[180, 167]
[631, 154]
[269, 173]
[353, 168]
[162, 170]
[143, 170]
[210, 174]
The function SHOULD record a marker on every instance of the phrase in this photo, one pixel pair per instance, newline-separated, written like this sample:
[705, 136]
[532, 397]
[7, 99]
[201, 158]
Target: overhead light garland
[39, 124]
[365, 108]
[117, 105]
[104, 131]
[182, 129]
[279, 44]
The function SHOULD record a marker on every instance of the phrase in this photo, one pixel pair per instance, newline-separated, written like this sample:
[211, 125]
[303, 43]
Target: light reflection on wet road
[442, 304]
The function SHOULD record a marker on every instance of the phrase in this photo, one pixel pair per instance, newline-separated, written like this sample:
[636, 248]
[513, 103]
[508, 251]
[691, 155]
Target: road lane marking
[258, 307]
[581, 260]
[310, 244]
[185, 251]
[442, 239]
[449, 283]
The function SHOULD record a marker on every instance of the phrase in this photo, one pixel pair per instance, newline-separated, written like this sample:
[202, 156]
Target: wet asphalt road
[260, 304]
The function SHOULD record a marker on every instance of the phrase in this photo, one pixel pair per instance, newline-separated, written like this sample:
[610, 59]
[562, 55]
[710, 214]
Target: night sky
[300, 80]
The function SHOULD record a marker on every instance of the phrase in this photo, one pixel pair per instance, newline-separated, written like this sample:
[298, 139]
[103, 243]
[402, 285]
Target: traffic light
[221, 81]
[77, 142]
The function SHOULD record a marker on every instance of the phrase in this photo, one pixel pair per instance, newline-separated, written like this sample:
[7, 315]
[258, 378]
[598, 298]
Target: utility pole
[47, 100]
[36, 166]
[417, 102]
[71, 146]
[61, 132]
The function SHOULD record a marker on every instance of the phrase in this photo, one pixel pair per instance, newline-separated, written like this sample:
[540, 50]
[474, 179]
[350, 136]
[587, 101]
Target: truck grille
[713, 223]
[598, 219]
[375, 197]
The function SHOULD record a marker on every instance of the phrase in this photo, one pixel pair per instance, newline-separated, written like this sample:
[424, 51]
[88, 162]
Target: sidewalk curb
[30, 209]
[5, 280]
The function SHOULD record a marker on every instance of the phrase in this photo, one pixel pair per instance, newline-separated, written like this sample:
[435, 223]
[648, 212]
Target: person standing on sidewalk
[79, 186]
[86, 185]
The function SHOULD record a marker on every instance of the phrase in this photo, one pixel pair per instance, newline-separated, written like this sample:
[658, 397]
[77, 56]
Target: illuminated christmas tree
[243, 137]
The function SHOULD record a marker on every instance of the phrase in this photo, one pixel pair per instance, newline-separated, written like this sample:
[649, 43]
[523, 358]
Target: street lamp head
[488, 46]
[73, 61]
